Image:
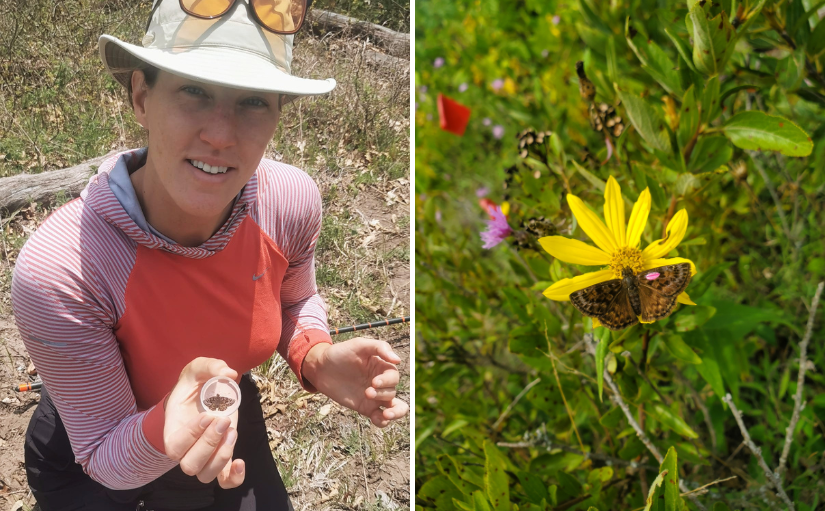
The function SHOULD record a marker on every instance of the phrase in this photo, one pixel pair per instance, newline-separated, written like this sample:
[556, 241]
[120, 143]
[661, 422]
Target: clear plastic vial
[220, 396]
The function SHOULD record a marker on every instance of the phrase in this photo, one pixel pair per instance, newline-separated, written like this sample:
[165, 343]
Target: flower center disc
[626, 257]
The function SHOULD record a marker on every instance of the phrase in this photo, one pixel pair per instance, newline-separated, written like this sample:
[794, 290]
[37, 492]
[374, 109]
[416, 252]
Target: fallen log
[20, 190]
[396, 43]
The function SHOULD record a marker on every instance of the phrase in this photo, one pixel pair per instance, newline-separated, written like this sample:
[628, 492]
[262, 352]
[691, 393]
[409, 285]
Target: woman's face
[205, 140]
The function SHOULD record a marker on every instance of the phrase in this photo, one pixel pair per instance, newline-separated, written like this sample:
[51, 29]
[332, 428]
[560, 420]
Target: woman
[189, 259]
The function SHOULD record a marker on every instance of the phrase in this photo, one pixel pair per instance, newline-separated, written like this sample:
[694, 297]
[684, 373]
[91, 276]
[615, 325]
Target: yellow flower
[618, 245]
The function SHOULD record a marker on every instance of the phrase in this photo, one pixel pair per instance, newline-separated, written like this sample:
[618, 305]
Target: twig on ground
[544, 442]
[800, 382]
[515, 401]
[702, 488]
[772, 476]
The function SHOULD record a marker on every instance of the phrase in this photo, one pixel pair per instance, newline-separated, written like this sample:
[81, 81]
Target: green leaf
[816, 43]
[704, 280]
[632, 448]
[791, 69]
[453, 470]
[596, 40]
[498, 484]
[533, 486]
[611, 419]
[479, 502]
[423, 434]
[759, 131]
[463, 506]
[720, 506]
[688, 453]
[709, 368]
[593, 180]
[654, 60]
[612, 60]
[592, 18]
[552, 491]
[454, 426]
[689, 116]
[734, 90]
[670, 484]
[710, 40]
[647, 121]
[680, 350]
[657, 483]
[693, 317]
[709, 154]
[442, 491]
[664, 415]
[683, 48]
[603, 335]
[569, 486]
[711, 105]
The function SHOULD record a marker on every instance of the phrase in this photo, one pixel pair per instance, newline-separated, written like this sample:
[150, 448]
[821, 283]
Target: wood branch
[20, 190]
[396, 43]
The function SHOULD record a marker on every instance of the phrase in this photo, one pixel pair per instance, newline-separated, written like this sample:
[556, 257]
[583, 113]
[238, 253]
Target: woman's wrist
[313, 361]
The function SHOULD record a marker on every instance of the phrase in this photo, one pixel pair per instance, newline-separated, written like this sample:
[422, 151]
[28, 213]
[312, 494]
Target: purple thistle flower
[438, 62]
[497, 84]
[556, 19]
[498, 131]
[423, 89]
[438, 215]
[463, 87]
[544, 54]
[486, 121]
[497, 229]
[482, 192]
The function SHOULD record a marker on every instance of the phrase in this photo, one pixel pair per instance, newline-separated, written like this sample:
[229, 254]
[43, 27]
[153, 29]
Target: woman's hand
[201, 442]
[360, 374]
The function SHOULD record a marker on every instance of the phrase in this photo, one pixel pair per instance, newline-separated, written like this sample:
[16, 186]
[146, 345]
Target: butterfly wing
[658, 295]
[607, 302]
[672, 279]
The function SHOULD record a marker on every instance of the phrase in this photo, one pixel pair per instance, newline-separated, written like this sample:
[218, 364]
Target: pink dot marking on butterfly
[652, 276]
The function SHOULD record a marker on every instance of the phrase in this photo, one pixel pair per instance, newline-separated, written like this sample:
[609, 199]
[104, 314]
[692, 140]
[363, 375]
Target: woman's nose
[219, 129]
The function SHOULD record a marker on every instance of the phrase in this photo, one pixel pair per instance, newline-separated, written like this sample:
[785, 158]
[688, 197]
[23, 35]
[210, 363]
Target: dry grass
[58, 108]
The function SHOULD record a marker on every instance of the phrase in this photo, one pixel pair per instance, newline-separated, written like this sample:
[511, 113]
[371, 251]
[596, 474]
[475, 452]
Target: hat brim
[209, 64]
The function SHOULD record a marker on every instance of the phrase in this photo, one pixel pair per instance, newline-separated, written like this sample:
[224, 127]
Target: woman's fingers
[387, 378]
[202, 369]
[383, 394]
[203, 450]
[394, 409]
[221, 458]
[184, 438]
[232, 474]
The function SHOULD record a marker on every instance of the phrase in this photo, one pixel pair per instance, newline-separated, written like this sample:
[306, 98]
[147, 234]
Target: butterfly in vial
[650, 294]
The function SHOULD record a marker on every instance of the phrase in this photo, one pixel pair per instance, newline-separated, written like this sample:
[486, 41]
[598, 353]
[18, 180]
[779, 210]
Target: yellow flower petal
[684, 298]
[655, 263]
[560, 291]
[592, 225]
[675, 232]
[574, 251]
[614, 210]
[596, 323]
[638, 219]
[645, 322]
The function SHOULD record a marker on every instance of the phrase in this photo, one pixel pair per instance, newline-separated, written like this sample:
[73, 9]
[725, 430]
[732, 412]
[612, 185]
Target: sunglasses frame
[232, 3]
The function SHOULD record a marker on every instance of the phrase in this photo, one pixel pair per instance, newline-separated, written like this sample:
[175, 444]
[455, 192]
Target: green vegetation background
[484, 332]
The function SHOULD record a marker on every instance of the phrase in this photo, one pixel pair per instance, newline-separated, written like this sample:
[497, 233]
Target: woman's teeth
[208, 168]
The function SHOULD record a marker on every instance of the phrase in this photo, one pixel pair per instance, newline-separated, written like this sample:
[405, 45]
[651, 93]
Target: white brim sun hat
[230, 51]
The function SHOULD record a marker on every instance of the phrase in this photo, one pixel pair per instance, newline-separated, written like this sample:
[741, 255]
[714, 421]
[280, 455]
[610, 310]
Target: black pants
[59, 484]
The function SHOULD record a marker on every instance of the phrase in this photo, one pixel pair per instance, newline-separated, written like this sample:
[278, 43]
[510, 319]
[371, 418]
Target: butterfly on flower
[649, 296]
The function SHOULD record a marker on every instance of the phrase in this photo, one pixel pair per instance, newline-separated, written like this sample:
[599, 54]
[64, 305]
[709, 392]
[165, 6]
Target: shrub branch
[772, 476]
[800, 382]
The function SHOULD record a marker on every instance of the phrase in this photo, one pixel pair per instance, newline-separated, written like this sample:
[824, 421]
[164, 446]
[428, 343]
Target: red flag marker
[452, 115]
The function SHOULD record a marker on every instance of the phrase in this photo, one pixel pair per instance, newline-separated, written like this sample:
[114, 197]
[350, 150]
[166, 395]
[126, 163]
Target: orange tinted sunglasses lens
[282, 16]
[206, 8]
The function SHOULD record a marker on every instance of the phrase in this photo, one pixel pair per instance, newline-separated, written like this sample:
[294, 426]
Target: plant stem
[800, 382]
[772, 477]
[645, 343]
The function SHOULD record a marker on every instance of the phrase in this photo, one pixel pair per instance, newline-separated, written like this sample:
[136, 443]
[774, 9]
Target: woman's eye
[256, 102]
[195, 91]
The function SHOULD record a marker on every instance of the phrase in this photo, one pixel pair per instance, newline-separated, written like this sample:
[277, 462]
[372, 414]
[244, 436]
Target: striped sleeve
[65, 317]
[290, 205]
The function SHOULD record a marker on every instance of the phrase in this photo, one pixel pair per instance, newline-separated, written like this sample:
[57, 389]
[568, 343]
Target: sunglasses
[277, 16]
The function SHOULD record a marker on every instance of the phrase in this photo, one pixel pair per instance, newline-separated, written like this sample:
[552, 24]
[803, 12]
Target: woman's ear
[139, 92]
